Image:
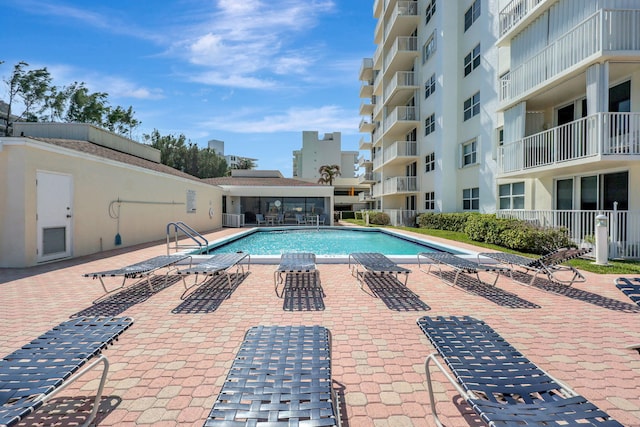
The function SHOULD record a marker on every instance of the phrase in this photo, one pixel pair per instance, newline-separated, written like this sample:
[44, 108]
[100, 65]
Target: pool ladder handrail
[187, 231]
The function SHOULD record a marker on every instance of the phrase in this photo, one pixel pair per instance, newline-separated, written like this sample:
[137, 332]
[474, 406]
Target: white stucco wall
[153, 200]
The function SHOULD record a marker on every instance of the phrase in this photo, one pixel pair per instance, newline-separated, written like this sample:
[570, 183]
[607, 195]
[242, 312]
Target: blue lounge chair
[141, 270]
[630, 287]
[363, 263]
[501, 385]
[296, 263]
[549, 264]
[460, 265]
[281, 376]
[216, 265]
[47, 365]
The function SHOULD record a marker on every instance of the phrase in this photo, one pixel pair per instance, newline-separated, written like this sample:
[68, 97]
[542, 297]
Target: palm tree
[328, 173]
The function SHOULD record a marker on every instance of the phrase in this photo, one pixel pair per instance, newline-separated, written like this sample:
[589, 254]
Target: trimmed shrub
[443, 221]
[379, 218]
[509, 233]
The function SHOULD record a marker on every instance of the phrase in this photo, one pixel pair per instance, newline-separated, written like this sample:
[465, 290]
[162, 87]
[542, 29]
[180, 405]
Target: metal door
[54, 215]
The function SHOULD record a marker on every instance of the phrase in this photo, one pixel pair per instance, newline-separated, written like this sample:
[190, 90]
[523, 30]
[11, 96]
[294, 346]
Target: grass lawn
[615, 267]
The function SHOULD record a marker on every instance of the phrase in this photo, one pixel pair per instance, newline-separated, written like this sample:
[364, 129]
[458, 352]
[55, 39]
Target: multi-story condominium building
[530, 108]
[432, 85]
[233, 161]
[350, 194]
[569, 89]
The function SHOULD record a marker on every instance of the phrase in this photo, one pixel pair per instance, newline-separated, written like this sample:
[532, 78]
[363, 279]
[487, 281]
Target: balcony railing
[623, 233]
[400, 184]
[399, 114]
[365, 197]
[602, 134]
[402, 79]
[366, 177]
[402, 9]
[604, 31]
[514, 12]
[402, 44]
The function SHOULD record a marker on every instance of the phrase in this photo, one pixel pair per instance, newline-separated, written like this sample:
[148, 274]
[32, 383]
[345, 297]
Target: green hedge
[443, 221]
[379, 218]
[509, 233]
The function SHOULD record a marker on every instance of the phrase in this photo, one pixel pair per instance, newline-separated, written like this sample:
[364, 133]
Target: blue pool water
[323, 242]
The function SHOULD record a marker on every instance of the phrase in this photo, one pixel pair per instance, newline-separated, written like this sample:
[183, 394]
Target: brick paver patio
[168, 368]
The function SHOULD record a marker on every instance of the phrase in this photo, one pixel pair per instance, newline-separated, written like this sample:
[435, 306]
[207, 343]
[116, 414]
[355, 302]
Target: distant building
[315, 152]
[233, 161]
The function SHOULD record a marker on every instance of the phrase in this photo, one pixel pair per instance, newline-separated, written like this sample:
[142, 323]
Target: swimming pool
[325, 241]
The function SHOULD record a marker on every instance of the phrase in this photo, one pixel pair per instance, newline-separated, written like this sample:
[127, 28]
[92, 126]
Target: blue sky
[254, 74]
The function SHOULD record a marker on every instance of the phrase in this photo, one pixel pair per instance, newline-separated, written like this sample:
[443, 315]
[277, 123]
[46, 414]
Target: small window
[469, 156]
[511, 195]
[472, 106]
[471, 14]
[430, 86]
[471, 199]
[472, 60]
[430, 201]
[430, 11]
[430, 162]
[429, 48]
[430, 124]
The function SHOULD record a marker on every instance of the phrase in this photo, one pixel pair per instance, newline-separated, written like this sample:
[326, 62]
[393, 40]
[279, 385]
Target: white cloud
[248, 44]
[115, 87]
[328, 118]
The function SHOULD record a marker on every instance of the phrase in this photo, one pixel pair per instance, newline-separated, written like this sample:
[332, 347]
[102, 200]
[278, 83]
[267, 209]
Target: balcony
[606, 32]
[366, 89]
[366, 126]
[515, 12]
[400, 120]
[368, 178]
[365, 144]
[401, 54]
[400, 185]
[603, 137]
[403, 20]
[366, 69]
[365, 197]
[366, 108]
[403, 82]
[397, 152]
[364, 162]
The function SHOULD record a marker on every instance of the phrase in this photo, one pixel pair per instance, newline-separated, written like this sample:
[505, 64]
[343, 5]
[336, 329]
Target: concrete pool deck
[168, 368]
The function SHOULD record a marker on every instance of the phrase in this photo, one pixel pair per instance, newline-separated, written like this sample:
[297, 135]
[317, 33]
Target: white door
[54, 215]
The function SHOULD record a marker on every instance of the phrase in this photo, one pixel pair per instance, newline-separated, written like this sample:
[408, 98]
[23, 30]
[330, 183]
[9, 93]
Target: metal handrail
[189, 232]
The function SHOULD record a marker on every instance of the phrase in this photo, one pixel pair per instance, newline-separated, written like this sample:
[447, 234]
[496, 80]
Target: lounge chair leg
[103, 380]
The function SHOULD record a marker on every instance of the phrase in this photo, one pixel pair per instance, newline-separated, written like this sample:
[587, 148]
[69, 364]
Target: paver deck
[169, 367]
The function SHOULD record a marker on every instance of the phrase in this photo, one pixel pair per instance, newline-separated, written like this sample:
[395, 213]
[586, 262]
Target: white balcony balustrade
[603, 134]
[605, 31]
[400, 184]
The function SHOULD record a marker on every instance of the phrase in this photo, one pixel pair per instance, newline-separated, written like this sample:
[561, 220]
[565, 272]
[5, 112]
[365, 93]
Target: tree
[121, 121]
[29, 86]
[187, 157]
[245, 163]
[85, 107]
[328, 173]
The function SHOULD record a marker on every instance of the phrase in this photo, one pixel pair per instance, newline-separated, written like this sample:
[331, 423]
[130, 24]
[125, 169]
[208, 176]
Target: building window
[471, 14]
[430, 162]
[471, 199]
[429, 48]
[469, 153]
[511, 195]
[430, 201]
[430, 12]
[472, 106]
[430, 124]
[472, 60]
[430, 86]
